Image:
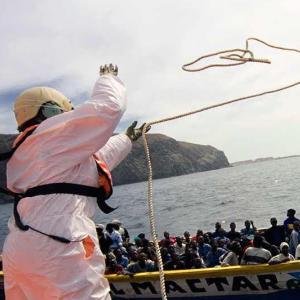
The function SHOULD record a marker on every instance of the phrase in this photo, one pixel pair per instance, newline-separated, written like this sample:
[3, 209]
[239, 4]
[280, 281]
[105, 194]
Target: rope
[152, 218]
[234, 56]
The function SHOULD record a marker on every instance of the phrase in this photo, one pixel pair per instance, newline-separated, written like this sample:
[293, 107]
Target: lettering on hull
[229, 285]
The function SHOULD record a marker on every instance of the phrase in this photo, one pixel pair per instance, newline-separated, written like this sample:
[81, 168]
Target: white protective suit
[60, 150]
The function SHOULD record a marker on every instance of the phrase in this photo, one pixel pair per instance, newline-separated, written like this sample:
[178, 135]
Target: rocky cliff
[169, 158]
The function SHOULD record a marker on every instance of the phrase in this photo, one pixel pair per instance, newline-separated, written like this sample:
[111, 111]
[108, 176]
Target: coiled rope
[233, 56]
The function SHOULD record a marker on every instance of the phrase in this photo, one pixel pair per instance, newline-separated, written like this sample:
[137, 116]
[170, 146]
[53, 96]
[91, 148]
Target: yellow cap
[29, 102]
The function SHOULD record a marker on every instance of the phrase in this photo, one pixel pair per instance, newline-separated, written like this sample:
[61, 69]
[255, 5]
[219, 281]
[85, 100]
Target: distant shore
[257, 160]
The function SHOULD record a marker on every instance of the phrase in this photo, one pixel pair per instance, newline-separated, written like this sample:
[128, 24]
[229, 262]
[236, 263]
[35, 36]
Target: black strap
[60, 188]
[54, 237]
[6, 192]
[72, 188]
[104, 207]
[18, 221]
[57, 188]
[23, 227]
[63, 188]
[9, 154]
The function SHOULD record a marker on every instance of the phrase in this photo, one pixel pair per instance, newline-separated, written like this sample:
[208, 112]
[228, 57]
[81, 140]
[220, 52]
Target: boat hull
[261, 282]
[240, 282]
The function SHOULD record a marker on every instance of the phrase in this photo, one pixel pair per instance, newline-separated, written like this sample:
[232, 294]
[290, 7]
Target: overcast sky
[62, 43]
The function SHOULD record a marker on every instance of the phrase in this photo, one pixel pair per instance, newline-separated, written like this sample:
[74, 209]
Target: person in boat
[193, 246]
[141, 241]
[289, 221]
[120, 258]
[187, 238]
[189, 257]
[165, 255]
[297, 252]
[207, 237]
[115, 236]
[59, 172]
[275, 235]
[256, 254]
[249, 230]
[232, 234]
[273, 249]
[104, 240]
[198, 233]
[179, 246]
[151, 253]
[221, 238]
[203, 248]
[143, 264]
[112, 267]
[138, 242]
[122, 230]
[213, 256]
[231, 258]
[219, 231]
[284, 255]
[198, 263]
[167, 240]
[176, 263]
[295, 237]
[223, 243]
[132, 255]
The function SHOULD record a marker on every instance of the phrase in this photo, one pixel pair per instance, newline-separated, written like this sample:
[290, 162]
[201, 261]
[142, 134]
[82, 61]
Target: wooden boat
[277, 282]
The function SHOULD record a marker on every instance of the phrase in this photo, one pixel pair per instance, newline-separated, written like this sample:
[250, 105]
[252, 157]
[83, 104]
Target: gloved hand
[109, 70]
[135, 133]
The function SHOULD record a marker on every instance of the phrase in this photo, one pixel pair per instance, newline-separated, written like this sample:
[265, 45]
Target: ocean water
[255, 191]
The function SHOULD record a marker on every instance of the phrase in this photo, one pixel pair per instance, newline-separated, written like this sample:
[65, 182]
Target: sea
[255, 191]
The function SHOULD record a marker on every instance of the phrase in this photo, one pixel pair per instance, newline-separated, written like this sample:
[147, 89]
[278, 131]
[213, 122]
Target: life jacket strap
[23, 227]
[9, 154]
[58, 188]
[72, 188]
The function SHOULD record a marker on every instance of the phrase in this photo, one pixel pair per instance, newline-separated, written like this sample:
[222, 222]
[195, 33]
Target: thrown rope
[241, 59]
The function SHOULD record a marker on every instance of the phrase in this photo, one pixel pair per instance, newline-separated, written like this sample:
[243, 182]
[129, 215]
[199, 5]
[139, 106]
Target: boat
[260, 282]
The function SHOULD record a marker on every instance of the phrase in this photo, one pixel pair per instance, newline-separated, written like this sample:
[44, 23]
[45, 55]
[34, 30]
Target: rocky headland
[169, 158]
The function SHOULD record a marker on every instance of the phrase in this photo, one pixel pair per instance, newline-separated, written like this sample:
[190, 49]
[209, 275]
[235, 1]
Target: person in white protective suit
[56, 254]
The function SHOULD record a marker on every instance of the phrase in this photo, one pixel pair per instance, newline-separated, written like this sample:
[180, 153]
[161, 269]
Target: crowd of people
[248, 246]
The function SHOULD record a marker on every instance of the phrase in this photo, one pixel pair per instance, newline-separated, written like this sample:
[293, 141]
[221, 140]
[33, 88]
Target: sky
[62, 44]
